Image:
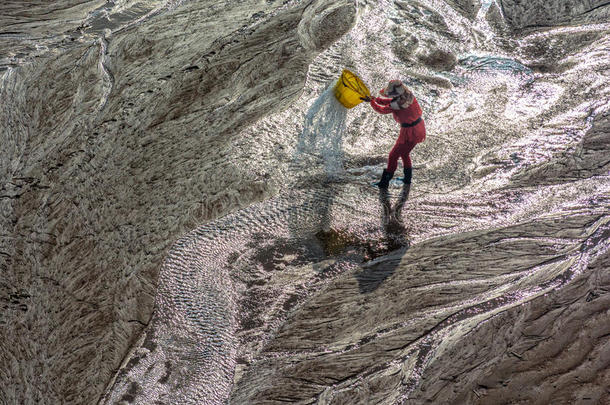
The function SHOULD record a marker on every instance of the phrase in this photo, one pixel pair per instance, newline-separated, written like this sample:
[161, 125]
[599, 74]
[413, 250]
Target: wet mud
[186, 217]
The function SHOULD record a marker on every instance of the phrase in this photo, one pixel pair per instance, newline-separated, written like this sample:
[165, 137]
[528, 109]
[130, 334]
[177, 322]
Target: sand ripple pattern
[187, 354]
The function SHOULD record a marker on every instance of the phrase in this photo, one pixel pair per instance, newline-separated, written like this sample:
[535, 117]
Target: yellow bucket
[349, 89]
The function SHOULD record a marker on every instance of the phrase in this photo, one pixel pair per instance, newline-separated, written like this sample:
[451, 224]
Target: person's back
[409, 114]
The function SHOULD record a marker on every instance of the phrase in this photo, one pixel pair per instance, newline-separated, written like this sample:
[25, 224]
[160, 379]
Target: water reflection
[395, 236]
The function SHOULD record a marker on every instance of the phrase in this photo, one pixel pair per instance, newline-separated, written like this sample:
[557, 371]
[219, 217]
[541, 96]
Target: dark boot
[385, 179]
[408, 174]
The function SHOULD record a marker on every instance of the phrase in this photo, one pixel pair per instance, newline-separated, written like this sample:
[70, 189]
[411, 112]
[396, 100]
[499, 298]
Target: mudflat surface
[186, 214]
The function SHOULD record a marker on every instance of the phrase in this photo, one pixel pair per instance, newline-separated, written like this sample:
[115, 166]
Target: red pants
[408, 138]
[400, 150]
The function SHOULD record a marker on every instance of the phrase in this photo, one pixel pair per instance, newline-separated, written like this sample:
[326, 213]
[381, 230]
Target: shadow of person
[394, 239]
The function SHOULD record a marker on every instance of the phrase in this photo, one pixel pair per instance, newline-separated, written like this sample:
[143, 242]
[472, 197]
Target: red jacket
[415, 134]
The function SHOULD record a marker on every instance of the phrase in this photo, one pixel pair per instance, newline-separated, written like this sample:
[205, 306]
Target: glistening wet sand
[293, 279]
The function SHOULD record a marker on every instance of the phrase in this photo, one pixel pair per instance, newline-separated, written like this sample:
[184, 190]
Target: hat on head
[394, 89]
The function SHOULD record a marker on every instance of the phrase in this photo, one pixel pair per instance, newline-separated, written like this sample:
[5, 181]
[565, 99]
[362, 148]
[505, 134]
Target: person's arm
[379, 105]
[382, 100]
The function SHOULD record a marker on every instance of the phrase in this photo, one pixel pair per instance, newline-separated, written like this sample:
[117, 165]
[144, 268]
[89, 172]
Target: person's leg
[405, 154]
[406, 161]
[388, 172]
[385, 179]
[408, 172]
[395, 153]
